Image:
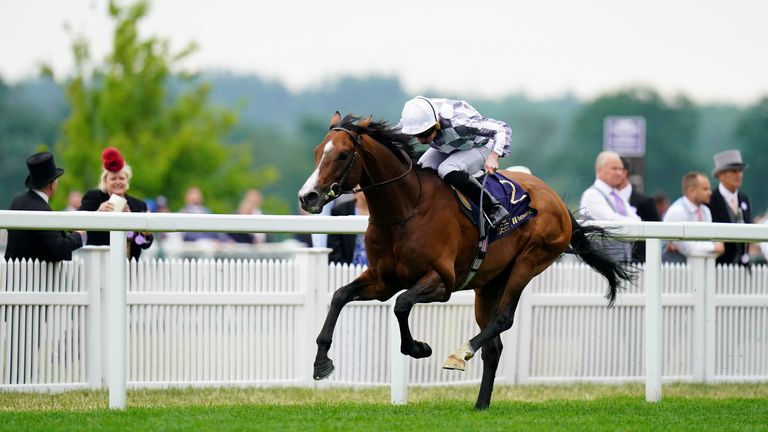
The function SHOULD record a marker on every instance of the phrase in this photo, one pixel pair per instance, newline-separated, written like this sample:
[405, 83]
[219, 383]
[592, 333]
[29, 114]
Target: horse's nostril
[310, 197]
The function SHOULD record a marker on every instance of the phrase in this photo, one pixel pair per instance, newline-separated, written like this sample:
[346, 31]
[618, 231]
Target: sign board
[624, 135]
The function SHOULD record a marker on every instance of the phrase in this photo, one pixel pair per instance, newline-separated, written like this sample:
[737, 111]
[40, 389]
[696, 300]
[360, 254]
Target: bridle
[336, 190]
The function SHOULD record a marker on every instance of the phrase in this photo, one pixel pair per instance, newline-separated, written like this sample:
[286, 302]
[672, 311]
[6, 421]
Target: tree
[171, 140]
[30, 113]
[752, 132]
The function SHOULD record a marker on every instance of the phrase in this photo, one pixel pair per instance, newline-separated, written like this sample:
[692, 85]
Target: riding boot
[472, 189]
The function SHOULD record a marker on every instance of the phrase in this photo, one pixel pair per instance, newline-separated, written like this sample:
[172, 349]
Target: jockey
[462, 143]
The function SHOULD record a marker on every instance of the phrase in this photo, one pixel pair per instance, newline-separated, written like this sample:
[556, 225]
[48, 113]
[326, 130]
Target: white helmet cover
[418, 116]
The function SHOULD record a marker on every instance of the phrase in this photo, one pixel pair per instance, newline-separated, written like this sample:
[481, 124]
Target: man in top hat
[729, 204]
[42, 245]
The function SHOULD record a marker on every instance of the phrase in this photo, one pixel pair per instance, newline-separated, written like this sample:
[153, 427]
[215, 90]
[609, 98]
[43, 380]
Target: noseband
[336, 187]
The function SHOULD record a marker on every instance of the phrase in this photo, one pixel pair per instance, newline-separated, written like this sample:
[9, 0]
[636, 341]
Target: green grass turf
[580, 407]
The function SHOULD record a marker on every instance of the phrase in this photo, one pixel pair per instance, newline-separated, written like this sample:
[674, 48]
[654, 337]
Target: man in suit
[691, 207]
[42, 245]
[729, 204]
[644, 206]
[602, 202]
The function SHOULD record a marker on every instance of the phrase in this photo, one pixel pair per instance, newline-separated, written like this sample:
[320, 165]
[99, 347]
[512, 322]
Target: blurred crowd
[612, 197]
[112, 195]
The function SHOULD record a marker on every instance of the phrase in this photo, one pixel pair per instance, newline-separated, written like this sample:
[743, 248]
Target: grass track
[582, 407]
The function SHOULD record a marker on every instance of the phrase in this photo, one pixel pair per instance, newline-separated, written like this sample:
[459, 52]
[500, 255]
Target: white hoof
[454, 363]
[457, 360]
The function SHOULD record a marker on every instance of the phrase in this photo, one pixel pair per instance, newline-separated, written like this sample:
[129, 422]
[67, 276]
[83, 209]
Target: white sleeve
[595, 207]
[499, 131]
[676, 213]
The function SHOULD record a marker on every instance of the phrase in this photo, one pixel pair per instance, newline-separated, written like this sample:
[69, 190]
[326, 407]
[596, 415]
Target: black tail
[585, 249]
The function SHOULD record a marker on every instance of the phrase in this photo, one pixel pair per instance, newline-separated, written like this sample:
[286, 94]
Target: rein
[336, 189]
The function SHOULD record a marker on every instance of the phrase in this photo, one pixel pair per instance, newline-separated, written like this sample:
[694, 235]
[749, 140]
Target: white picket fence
[228, 322]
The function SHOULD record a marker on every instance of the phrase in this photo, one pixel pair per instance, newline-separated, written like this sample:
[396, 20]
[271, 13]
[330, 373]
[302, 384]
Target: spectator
[115, 179]
[462, 143]
[254, 199]
[162, 204]
[43, 245]
[661, 201]
[193, 199]
[246, 207]
[602, 201]
[729, 204]
[306, 238]
[349, 248]
[74, 199]
[643, 205]
[691, 208]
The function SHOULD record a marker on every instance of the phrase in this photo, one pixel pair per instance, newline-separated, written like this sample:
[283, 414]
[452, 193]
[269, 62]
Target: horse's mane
[382, 132]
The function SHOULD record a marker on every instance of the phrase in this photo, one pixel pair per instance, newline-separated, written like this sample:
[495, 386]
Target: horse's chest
[400, 270]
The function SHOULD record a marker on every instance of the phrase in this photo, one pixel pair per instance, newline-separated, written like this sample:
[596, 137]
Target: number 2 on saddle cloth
[511, 195]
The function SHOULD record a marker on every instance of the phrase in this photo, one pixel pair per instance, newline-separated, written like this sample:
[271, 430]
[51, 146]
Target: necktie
[618, 204]
[734, 203]
[699, 217]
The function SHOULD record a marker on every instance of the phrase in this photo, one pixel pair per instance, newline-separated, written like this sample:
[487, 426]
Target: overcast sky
[712, 50]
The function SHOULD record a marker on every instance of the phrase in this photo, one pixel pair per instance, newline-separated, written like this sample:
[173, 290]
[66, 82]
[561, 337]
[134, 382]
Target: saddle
[513, 197]
[510, 194]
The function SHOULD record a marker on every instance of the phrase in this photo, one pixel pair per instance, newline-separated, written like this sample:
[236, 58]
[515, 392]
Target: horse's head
[338, 166]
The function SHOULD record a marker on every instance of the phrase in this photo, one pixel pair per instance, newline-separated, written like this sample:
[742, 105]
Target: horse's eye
[343, 156]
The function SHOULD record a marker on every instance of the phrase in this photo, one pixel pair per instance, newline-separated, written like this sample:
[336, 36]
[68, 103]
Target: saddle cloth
[509, 194]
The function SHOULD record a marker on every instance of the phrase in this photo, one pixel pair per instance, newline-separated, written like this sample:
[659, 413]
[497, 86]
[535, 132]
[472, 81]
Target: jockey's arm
[498, 131]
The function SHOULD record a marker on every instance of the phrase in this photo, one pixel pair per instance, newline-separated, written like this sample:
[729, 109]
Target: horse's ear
[336, 119]
[365, 122]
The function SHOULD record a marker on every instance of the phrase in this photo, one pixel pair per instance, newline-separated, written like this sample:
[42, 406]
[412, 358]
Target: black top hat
[42, 170]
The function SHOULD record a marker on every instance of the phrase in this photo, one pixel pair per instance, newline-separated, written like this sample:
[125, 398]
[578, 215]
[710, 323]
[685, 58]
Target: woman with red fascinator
[111, 194]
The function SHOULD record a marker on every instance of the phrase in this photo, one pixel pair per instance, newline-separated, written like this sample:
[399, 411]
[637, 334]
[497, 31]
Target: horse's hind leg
[491, 356]
[355, 290]
[500, 320]
[486, 303]
[428, 289]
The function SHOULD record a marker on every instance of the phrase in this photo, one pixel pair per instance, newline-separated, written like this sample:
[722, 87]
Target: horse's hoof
[454, 363]
[323, 370]
[421, 350]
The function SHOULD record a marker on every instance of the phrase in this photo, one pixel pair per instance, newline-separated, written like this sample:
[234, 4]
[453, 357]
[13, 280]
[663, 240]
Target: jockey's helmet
[418, 116]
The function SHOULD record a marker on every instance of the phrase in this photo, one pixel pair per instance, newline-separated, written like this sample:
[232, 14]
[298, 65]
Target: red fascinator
[113, 160]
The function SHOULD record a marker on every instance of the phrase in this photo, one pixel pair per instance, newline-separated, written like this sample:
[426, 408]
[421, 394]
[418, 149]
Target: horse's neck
[395, 200]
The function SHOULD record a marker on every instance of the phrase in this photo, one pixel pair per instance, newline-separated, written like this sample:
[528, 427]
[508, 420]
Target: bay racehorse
[418, 241]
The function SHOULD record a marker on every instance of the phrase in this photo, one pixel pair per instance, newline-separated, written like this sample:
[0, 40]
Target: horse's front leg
[358, 289]
[429, 288]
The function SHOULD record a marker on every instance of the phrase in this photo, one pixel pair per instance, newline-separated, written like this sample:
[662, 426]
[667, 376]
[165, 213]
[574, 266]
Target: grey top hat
[726, 160]
[42, 170]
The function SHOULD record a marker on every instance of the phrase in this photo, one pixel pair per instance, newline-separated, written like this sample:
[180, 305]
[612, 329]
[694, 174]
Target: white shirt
[683, 210]
[42, 195]
[728, 195]
[764, 246]
[597, 204]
